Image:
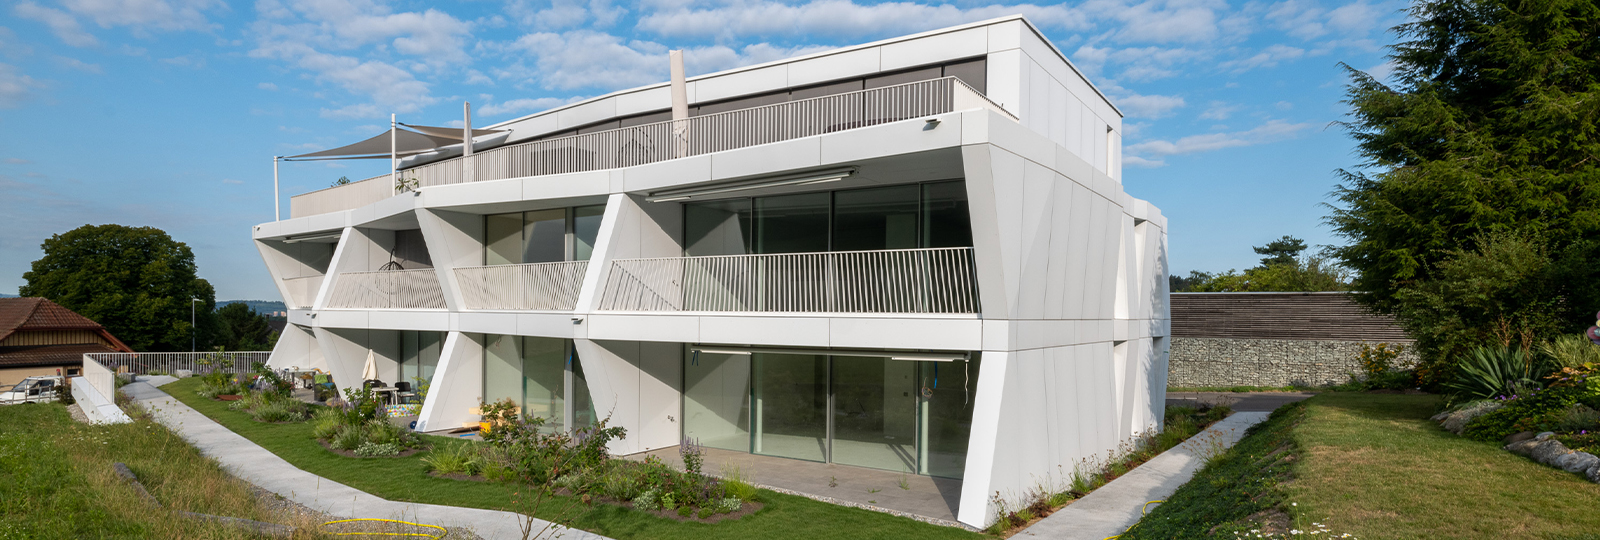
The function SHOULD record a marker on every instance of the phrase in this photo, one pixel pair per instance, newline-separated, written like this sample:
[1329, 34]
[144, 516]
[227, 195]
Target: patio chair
[403, 392]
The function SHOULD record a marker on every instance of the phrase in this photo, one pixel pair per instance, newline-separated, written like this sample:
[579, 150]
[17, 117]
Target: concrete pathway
[1114, 507]
[256, 465]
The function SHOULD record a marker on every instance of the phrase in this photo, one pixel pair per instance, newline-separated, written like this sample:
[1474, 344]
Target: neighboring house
[912, 255]
[39, 337]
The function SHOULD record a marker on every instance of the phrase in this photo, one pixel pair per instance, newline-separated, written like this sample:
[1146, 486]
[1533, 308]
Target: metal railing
[661, 141]
[168, 363]
[395, 289]
[937, 280]
[303, 290]
[534, 286]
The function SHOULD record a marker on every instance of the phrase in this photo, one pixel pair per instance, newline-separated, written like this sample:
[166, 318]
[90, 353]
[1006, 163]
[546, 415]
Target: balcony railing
[395, 289]
[661, 141]
[303, 290]
[536, 286]
[939, 280]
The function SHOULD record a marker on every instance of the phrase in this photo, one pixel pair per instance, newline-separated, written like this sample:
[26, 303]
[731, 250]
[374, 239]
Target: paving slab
[1114, 507]
[252, 463]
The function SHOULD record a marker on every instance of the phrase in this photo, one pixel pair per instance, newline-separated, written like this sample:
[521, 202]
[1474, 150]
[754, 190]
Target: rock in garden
[1594, 474]
[1544, 435]
[1519, 437]
[1457, 421]
[1577, 462]
[1548, 451]
[1522, 448]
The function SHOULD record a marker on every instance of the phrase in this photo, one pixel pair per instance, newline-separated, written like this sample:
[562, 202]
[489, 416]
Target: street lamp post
[192, 302]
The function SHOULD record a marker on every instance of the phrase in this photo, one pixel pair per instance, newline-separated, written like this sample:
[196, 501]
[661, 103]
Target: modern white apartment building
[912, 255]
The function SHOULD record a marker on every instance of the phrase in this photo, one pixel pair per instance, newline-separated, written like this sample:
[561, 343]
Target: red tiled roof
[48, 355]
[37, 314]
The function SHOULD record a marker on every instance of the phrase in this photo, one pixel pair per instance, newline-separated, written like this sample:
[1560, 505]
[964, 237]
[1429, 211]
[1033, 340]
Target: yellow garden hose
[1142, 512]
[442, 531]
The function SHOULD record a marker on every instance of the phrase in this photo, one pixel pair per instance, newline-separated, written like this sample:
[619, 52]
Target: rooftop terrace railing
[169, 363]
[938, 280]
[661, 141]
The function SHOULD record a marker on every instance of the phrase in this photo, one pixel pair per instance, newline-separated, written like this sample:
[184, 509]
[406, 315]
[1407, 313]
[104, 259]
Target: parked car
[41, 389]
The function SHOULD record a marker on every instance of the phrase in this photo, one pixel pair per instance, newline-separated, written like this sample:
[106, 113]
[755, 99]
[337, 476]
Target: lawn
[1374, 466]
[405, 479]
[56, 480]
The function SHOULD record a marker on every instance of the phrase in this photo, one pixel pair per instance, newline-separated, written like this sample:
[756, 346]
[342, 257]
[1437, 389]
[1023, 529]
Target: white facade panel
[935, 48]
[834, 66]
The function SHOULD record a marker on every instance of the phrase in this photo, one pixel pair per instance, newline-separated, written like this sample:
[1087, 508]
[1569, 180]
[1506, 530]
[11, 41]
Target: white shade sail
[450, 132]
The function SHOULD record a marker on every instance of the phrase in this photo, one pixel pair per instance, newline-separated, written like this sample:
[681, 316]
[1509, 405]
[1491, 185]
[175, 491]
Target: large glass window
[716, 400]
[877, 412]
[539, 236]
[871, 219]
[908, 216]
[717, 228]
[791, 406]
[534, 372]
[792, 223]
[419, 355]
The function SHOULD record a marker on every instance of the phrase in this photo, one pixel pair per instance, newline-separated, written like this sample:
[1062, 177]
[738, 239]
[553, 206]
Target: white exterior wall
[1071, 270]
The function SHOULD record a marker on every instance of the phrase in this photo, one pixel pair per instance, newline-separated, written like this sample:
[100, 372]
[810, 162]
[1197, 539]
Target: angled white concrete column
[979, 482]
[454, 240]
[637, 384]
[346, 353]
[346, 258]
[457, 384]
[297, 347]
[606, 242]
[345, 371]
[996, 278]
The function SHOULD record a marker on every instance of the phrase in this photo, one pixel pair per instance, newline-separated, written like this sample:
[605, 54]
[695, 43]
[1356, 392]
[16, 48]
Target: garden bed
[351, 453]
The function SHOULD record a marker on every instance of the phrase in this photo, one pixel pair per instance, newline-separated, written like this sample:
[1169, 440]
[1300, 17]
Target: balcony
[937, 280]
[661, 141]
[395, 289]
[537, 286]
[303, 290]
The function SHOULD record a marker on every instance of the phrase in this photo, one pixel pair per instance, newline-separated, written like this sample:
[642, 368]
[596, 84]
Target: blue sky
[166, 112]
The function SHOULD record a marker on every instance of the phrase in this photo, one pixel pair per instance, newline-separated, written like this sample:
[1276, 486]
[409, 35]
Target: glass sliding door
[791, 404]
[875, 413]
[946, 415]
[878, 218]
[544, 380]
[544, 235]
[502, 368]
[585, 230]
[419, 355]
[717, 228]
[792, 223]
[945, 222]
[716, 400]
[583, 414]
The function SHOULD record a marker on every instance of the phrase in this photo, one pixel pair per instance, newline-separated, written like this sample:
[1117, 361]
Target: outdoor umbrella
[370, 372]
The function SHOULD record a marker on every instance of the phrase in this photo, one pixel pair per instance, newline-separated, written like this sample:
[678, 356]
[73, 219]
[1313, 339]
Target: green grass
[56, 480]
[1373, 466]
[405, 479]
[1246, 389]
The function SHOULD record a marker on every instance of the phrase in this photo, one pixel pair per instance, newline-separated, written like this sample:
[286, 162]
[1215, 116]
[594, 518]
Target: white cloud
[1268, 57]
[564, 14]
[839, 18]
[1148, 106]
[17, 161]
[146, 14]
[1219, 111]
[1135, 63]
[1307, 21]
[267, 86]
[589, 59]
[1273, 130]
[523, 105]
[1383, 71]
[15, 87]
[1169, 21]
[391, 89]
[76, 64]
[1136, 161]
[61, 23]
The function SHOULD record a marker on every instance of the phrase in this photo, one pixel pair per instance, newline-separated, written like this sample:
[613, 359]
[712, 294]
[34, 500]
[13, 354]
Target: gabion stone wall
[1266, 362]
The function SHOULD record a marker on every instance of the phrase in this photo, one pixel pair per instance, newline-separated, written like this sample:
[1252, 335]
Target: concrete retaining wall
[1266, 362]
[100, 408]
